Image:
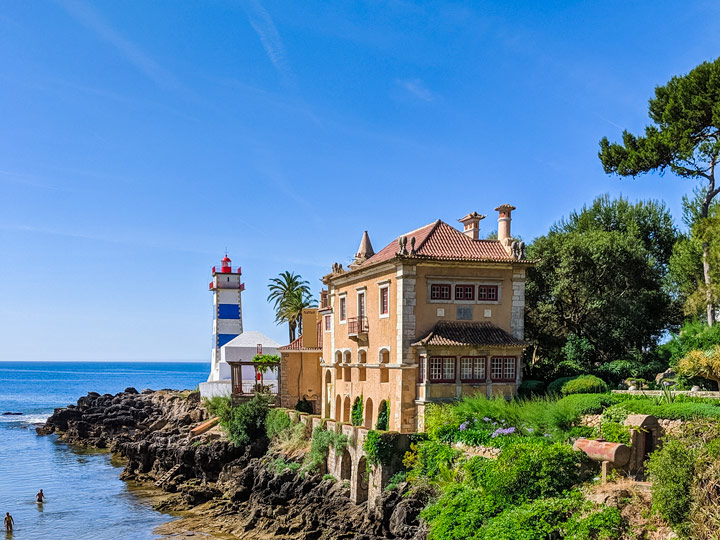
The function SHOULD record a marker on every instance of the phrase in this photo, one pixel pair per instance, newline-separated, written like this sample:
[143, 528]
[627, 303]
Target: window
[503, 368]
[439, 292]
[464, 292]
[384, 300]
[421, 370]
[449, 369]
[509, 369]
[472, 368]
[343, 309]
[464, 313]
[442, 369]
[361, 305]
[488, 293]
[327, 323]
[497, 368]
[436, 369]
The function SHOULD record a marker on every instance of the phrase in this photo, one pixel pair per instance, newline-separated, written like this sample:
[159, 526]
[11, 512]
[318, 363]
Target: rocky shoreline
[219, 489]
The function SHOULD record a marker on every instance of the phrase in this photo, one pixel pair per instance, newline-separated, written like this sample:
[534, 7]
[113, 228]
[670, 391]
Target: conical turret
[365, 251]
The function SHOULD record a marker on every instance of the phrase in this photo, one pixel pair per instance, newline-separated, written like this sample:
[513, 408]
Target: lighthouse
[227, 308]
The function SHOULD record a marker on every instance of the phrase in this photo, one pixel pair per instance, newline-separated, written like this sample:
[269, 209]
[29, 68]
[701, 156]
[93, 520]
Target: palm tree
[289, 294]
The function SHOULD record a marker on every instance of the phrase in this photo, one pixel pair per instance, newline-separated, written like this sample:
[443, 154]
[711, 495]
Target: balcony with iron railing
[357, 327]
[324, 299]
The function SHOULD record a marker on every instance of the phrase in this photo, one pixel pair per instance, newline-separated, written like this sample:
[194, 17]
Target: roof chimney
[504, 219]
[471, 224]
[365, 251]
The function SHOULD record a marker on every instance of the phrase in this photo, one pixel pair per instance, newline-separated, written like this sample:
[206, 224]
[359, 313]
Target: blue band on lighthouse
[228, 311]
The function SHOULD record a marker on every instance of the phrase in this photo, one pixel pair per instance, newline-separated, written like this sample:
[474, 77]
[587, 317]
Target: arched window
[368, 413]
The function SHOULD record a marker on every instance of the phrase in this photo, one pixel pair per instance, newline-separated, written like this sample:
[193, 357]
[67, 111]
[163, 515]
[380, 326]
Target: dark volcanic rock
[152, 431]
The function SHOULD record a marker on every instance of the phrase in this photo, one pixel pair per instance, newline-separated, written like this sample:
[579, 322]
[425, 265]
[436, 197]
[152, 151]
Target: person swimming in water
[40, 497]
[9, 522]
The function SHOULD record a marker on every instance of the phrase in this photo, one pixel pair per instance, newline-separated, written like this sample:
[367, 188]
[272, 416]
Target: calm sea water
[85, 497]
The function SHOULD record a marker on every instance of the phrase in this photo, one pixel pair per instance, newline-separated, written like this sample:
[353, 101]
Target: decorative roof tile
[297, 345]
[438, 240]
[466, 333]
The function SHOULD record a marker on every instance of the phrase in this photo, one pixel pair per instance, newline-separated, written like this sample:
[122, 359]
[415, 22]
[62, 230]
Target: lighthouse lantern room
[227, 320]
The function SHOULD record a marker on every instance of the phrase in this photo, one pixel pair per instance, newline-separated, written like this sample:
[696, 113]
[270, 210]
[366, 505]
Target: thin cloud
[26, 180]
[134, 240]
[86, 15]
[269, 36]
[417, 88]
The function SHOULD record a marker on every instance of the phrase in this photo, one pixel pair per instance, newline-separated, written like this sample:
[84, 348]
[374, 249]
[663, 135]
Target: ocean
[85, 497]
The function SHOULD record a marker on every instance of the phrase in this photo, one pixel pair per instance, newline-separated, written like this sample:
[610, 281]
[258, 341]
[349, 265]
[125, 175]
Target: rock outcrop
[228, 489]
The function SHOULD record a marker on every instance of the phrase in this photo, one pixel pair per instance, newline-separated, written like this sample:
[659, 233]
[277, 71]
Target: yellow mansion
[436, 314]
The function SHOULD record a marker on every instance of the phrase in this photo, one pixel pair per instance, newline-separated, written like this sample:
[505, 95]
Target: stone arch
[383, 409]
[362, 479]
[384, 355]
[346, 410]
[328, 392]
[362, 356]
[368, 413]
[347, 357]
[346, 466]
[338, 410]
[338, 357]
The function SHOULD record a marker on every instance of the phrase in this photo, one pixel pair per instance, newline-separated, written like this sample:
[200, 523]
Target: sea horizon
[81, 486]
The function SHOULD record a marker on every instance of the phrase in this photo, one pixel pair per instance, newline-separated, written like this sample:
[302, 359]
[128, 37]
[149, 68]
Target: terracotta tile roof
[297, 345]
[438, 240]
[466, 333]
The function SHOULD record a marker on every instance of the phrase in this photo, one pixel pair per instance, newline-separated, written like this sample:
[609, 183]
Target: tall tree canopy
[596, 294]
[290, 294]
[686, 264]
[685, 138]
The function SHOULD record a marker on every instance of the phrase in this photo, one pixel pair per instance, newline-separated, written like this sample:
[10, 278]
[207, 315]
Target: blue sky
[139, 139]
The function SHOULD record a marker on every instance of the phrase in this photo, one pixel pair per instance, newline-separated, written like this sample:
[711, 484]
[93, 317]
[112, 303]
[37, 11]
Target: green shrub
[395, 480]
[580, 384]
[582, 404]
[673, 411]
[671, 469]
[304, 406]
[219, 406]
[606, 524]
[276, 422]
[529, 471]
[536, 520]
[555, 387]
[584, 384]
[615, 432]
[378, 448]
[529, 388]
[322, 440]
[329, 477]
[383, 420]
[429, 458]
[474, 419]
[521, 495]
[615, 413]
[693, 335]
[612, 426]
[246, 422]
[458, 513]
[356, 414]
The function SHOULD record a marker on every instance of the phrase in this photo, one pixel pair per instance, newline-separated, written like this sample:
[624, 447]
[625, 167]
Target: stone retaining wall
[669, 427]
[659, 393]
